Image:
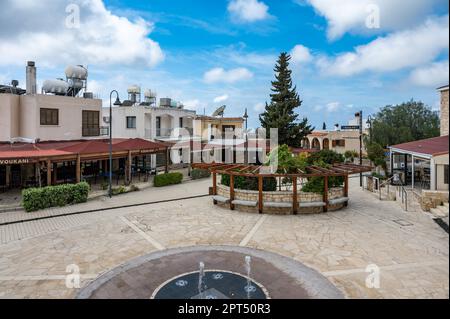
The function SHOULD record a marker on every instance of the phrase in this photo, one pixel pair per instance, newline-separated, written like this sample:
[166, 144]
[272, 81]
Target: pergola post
[78, 169]
[392, 162]
[55, 173]
[346, 186]
[413, 172]
[214, 190]
[128, 174]
[231, 192]
[49, 173]
[325, 194]
[260, 194]
[167, 161]
[294, 196]
[406, 168]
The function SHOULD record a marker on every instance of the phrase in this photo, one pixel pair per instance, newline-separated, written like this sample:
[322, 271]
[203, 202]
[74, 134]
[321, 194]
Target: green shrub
[119, 190]
[317, 184]
[200, 173]
[326, 156]
[351, 155]
[250, 183]
[168, 179]
[34, 199]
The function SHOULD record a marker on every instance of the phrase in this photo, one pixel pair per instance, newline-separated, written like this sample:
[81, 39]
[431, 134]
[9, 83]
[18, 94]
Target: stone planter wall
[280, 197]
[432, 199]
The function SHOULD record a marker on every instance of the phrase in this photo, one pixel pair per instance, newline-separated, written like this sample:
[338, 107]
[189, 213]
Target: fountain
[201, 277]
[248, 267]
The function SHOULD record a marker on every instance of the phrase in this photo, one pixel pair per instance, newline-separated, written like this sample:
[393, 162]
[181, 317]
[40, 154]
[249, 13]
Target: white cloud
[192, 104]
[351, 15]
[333, 106]
[432, 75]
[218, 75]
[248, 10]
[301, 54]
[260, 107]
[221, 98]
[396, 51]
[103, 38]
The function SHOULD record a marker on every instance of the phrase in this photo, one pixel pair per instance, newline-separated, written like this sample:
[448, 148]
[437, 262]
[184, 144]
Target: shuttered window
[91, 123]
[49, 116]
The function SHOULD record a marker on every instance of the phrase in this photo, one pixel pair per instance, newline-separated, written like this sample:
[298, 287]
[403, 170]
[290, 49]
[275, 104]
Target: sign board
[14, 161]
[350, 127]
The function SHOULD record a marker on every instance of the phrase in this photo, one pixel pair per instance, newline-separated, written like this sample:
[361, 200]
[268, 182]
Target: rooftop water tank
[58, 87]
[134, 89]
[76, 72]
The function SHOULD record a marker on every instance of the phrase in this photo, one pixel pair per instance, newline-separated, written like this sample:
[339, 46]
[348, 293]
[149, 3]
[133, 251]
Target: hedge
[168, 179]
[250, 183]
[200, 173]
[34, 199]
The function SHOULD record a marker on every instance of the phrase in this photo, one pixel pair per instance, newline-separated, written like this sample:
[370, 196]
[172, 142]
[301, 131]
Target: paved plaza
[410, 250]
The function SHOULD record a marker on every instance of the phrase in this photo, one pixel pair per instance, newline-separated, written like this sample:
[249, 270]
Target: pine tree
[280, 113]
[324, 127]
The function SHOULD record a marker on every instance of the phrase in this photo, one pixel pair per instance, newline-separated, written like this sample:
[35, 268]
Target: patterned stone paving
[413, 260]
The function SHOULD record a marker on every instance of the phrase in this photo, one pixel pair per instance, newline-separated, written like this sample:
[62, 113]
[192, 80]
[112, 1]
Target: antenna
[220, 111]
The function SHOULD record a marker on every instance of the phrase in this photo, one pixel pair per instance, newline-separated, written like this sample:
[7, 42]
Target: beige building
[207, 126]
[444, 110]
[48, 118]
[338, 141]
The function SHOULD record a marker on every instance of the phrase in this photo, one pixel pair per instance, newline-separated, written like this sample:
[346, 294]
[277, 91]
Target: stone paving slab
[413, 259]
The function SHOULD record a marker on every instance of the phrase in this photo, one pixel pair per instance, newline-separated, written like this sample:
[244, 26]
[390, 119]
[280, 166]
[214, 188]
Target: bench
[311, 204]
[245, 203]
[278, 205]
[221, 199]
[337, 201]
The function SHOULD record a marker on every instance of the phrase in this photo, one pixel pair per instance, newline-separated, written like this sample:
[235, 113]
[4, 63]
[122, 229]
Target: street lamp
[359, 116]
[246, 137]
[116, 103]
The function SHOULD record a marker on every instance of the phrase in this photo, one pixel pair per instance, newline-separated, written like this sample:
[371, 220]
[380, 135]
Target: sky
[347, 55]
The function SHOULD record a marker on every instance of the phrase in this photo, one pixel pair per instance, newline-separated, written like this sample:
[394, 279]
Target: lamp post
[359, 116]
[246, 137]
[116, 103]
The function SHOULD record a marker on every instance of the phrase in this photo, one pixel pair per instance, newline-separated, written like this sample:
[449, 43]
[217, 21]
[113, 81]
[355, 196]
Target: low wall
[281, 197]
[432, 199]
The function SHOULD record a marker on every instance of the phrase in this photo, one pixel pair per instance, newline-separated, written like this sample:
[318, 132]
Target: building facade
[444, 110]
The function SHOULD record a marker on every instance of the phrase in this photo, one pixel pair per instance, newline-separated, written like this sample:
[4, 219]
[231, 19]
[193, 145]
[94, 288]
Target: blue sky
[210, 53]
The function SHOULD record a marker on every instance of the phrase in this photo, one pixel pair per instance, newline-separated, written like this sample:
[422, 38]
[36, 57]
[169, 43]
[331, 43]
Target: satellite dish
[220, 111]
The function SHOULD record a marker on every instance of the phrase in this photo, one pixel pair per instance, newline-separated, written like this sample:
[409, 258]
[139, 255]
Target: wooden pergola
[260, 172]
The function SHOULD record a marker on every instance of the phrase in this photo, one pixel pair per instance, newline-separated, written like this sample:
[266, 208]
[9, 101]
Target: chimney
[31, 78]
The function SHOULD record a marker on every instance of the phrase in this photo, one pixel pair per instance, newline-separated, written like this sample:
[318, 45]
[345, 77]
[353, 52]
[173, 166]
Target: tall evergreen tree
[280, 113]
[324, 127]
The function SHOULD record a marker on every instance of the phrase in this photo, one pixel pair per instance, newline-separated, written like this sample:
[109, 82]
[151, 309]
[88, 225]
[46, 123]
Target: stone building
[444, 110]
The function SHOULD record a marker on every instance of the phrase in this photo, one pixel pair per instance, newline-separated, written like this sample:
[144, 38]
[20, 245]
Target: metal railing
[403, 194]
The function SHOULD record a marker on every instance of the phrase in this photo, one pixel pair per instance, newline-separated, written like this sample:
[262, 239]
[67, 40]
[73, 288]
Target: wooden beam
[214, 183]
[78, 169]
[260, 194]
[325, 194]
[49, 173]
[294, 196]
[231, 192]
[346, 185]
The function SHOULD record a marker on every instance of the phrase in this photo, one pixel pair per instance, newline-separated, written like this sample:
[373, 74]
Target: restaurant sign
[15, 161]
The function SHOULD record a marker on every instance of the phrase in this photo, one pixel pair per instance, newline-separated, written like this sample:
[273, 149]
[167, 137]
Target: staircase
[440, 211]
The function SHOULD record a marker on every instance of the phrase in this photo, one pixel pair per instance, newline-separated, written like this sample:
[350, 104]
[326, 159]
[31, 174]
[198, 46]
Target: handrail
[404, 195]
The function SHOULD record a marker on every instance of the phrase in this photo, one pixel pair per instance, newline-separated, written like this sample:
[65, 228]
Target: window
[91, 126]
[158, 126]
[181, 122]
[446, 174]
[338, 143]
[131, 122]
[49, 117]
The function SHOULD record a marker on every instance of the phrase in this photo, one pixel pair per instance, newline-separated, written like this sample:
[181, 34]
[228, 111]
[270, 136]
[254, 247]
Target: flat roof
[432, 147]
[443, 88]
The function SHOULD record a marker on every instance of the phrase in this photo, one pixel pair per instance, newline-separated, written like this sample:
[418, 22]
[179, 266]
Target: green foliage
[168, 179]
[317, 184]
[351, 155]
[327, 157]
[403, 123]
[287, 162]
[119, 190]
[280, 113]
[34, 199]
[200, 173]
[376, 154]
[250, 183]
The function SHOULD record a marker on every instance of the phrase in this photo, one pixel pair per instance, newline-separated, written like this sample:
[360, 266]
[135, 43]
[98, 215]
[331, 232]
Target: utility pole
[361, 132]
